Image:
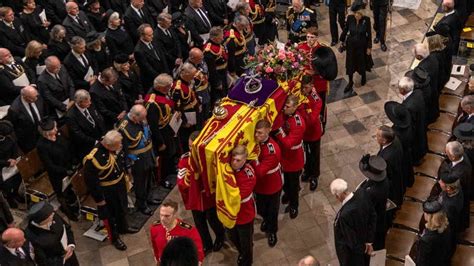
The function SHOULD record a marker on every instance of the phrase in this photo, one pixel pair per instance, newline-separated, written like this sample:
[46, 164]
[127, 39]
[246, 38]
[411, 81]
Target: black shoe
[154, 201]
[285, 199]
[131, 230]
[147, 211]
[333, 43]
[287, 209]
[239, 260]
[218, 244]
[376, 40]
[263, 227]
[348, 88]
[363, 80]
[293, 213]
[313, 184]
[272, 239]
[167, 184]
[305, 178]
[207, 251]
[118, 244]
[383, 47]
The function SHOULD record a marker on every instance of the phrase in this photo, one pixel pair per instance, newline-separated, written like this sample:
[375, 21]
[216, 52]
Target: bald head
[13, 238]
[5, 56]
[448, 5]
[53, 64]
[196, 55]
[308, 261]
[137, 113]
[72, 8]
[29, 94]
[420, 51]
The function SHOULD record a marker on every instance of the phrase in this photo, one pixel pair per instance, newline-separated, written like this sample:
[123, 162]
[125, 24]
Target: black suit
[58, 49]
[47, 243]
[84, 134]
[55, 11]
[416, 105]
[9, 90]
[9, 259]
[26, 130]
[55, 91]
[337, 14]
[77, 70]
[393, 156]
[133, 21]
[116, 5]
[155, 7]
[6, 216]
[196, 25]
[109, 103]
[378, 194]
[80, 28]
[380, 8]
[353, 227]
[151, 64]
[217, 11]
[453, 22]
[15, 39]
[168, 43]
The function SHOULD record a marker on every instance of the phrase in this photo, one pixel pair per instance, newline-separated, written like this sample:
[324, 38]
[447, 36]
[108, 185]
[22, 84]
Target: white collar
[79, 108]
[45, 227]
[76, 54]
[13, 250]
[136, 10]
[458, 161]
[407, 95]
[161, 28]
[385, 146]
[449, 13]
[348, 197]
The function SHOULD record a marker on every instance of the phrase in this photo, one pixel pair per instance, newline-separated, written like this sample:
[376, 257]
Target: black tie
[154, 51]
[34, 114]
[84, 60]
[204, 18]
[141, 13]
[89, 117]
[20, 254]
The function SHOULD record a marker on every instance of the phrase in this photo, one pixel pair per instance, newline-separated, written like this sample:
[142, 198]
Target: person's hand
[219, 87]
[101, 203]
[178, 62]
[121, 115]
[162, 147]
[179, 114]
[12, 162]
[157, 161]
[92, 80]
[70, 104]
[46, 23]
[11, 225]
[139, 101]
[226, 21]
[69, 252]
[369, 51]
[368, 249]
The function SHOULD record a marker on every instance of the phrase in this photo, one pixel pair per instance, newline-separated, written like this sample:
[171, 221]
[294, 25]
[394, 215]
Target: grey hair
[163, 15]
[114, 15]
[49, 60]
[406, 84]
[338, 186]
[241, 20]
[81, 95]
[467, 100]
[215, 32]
[241, 6]
[455, 148]
[112, 137]
[76, 40]
[187, 67]
[56, 30]
[27, 89]
[421, 50]
[162, 80]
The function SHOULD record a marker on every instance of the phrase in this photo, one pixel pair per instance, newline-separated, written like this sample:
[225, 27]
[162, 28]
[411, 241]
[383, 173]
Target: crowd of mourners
[93, 87]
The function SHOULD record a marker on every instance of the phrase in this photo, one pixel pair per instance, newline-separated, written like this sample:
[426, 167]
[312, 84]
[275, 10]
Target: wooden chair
[459, 92]
[36, 180]
[437, 141]
[398, 243]
[409, 215]
[430, 165]
[444, 123]
[88, 205]
[449, 104]
[464, 256]
[421, 189]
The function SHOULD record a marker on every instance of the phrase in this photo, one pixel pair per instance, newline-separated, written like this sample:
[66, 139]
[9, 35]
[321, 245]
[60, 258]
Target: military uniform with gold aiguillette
[236, 45]
[105, 177]
[137, 145]
[9, 73]
[298, 22]
[215, 55]
[201, 88]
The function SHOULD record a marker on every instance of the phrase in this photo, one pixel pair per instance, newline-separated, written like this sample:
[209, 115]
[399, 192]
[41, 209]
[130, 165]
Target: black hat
[90, 2]
[448, 178]
[121, 59]
[47, 124]
[464, 131]
[325, 62]
[92, 36]
[374, 167]
[357, 5]
[6, 128]
[432, 206]
[40, 211]
[397, 113]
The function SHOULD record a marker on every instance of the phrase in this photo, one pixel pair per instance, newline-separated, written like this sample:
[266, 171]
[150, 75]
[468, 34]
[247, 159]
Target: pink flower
[270, 54]
[268, 69]
[281, 56]
[296, 65]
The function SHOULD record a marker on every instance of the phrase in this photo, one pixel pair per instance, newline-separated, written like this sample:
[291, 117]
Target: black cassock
[405, 135]
[358, 38]
[434, 248]
[47, 243]
[416, 105]
[431, 65]
[353, 227]
[393, 156]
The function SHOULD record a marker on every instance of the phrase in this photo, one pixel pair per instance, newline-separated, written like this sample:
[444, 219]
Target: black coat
[54, 91]
[77, 71]
[357, 38]
[431, 65]
[109, 103]
[453, 22]
[47, 243]
[424, 85]
[97, 20]
[34, 25]
[393, 156]
[15, 39]
[6, 217]
[102, 58]
[452, 206]
[196, 25]
[416, 105]
[444, 68]
[119, 42]
[155, 7]
[150, 65]
[217, 11]
[116, 5]
[8, 150]
[25, 129]
[9, 90]
[58, 49]
[131, 86]
[82, 133]
[74, 28]
[133, 21]
[8, 259]
[434, 248]
[55, 11]
[168, 44]
[353, 227]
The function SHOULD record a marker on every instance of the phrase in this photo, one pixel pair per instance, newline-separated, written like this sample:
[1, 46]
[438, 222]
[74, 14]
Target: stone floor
[350, 134]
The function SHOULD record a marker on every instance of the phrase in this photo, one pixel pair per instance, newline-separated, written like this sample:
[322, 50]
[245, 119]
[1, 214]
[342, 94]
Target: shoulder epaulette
[298, 120]
[248, 172]
[1, 67]
[89, 156]
[309, 10]
[271, 148]
[178, 84]
[122, 124]
[187, 154]
[208, 47]
[157, 222]
[185, 225]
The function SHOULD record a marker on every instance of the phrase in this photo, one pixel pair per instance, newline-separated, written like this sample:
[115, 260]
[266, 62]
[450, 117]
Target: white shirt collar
[458, 161]
[136, 10]
[449, 13]
[161, 28]
[45, 227]
[80, 109]
[76, 54]
[385, 146]
[347, 198]
[13, 250]
[407, 95]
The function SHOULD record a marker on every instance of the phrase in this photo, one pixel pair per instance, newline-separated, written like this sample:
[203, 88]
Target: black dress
[102, 58]
[131, 86]
[119, 41]
[358, 38]
[58, 49]
[35, 26]
[434, 248]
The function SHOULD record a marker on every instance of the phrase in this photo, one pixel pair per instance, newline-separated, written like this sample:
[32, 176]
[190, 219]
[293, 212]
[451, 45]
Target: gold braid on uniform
[17, 74]
[164, 119]
[111, 162]
[135, 140]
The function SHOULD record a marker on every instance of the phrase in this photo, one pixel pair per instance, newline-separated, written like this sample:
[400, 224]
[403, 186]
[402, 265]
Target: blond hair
[437, 221]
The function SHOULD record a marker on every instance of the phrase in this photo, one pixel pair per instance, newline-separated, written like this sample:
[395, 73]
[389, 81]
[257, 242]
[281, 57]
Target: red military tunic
[183, 95]
[291, 143]
[319, 82]
[245, 178]
[311, 111]
[192, 190]
[160, 237]
[268, 168]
